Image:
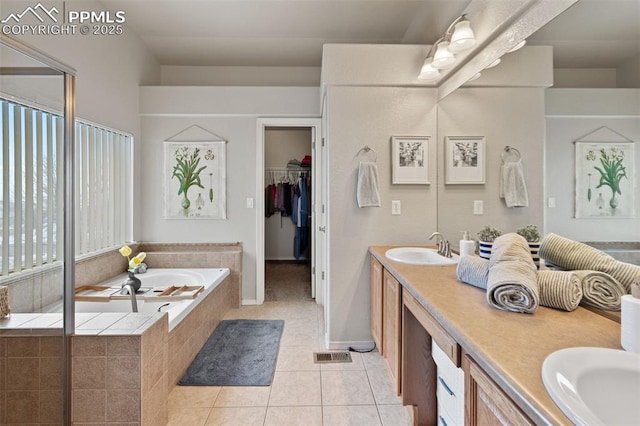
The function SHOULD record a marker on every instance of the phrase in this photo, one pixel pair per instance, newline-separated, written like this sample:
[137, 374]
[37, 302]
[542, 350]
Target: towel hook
[367, 151]
[511, 150]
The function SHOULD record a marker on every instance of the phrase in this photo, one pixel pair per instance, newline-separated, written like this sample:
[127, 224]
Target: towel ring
[366, 151]
[509, 150]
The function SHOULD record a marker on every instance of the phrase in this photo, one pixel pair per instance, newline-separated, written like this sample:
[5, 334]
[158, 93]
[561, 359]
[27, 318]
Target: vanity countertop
[509, 346]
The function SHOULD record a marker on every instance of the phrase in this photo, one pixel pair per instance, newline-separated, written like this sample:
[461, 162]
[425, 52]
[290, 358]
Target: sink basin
[594, 386]
[420, 256]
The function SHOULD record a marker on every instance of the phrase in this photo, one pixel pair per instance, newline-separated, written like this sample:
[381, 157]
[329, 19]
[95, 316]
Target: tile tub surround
[31, 379]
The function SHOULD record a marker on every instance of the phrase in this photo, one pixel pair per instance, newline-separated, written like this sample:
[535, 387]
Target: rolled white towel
[574, 255]
[473, 270]
[512, 282]
[601, 290]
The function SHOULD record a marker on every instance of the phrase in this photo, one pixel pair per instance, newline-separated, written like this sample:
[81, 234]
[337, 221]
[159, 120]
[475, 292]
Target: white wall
[231, 113]
[570, 115]
[280, 146]
[370, 114]
[584, 77]
[628, 73]
[504, 116]
[177, 75]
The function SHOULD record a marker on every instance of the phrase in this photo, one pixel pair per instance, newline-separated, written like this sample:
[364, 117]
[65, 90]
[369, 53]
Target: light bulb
[493, 64]
[462, 38]
[518, 46]
[428, 72]
[475, 77]
[443, 58]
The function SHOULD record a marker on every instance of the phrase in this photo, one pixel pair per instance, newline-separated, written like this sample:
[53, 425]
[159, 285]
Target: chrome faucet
[444, 248]
[128, 289]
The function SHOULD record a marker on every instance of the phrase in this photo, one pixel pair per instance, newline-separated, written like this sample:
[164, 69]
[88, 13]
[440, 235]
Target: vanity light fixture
[428, 71]
[518, 46]
[493, 64]
[475, 77]
[458, 38]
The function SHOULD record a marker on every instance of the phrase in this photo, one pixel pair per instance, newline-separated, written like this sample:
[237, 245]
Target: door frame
[262, 124]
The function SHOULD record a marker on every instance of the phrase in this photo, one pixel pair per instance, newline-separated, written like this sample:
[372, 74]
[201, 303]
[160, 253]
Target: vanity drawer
[449, 387]
[444, 419]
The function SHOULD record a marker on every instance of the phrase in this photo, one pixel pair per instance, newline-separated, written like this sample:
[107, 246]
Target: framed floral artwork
[195, 186]
[410, 160]
[464, 160]
[605, 180]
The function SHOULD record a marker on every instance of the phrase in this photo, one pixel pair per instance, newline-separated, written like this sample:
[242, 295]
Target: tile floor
[302, 393]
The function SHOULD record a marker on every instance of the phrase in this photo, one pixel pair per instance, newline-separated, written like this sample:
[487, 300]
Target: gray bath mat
[238, 353]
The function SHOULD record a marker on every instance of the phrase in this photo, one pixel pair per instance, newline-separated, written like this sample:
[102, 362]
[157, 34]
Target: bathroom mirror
[502, 117]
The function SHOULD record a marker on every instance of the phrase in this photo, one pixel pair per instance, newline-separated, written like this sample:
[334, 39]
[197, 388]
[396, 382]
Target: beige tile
[373, 360]
[155, 399]
[89, 372]
[356, 415]
[51, 373]
[355, 364]
[243, 396]
[298, 388]
[122, 345]
[294, 416]
[193, 396]
[298, 334]
[89, 405]
[24, 347]
[296, 358]
[154, 368]
[237, 416]
[22, 406]
[383, 390]
[192, 416]
[394, 415]
[123, 405]
[123, 372]
[88, 346]
[51, 406]
[51, 346]
[22, 373]
[346, 388]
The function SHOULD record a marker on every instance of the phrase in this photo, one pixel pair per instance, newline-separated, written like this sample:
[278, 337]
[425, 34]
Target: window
[31, 182]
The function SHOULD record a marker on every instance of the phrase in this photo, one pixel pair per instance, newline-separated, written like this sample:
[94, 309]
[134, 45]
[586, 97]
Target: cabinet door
[376, 303]
[392, 328]
[486, 403]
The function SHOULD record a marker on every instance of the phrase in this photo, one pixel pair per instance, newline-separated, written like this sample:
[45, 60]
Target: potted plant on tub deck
[531, 234]
[486, 237]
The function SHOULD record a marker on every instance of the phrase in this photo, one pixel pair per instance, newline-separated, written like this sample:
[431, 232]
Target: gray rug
[238, 353]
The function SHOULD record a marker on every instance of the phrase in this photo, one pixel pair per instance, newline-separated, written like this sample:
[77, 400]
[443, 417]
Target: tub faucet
[444, 248]
[128, 289]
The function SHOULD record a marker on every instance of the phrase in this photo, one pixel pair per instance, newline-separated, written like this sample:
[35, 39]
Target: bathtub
[159, 277]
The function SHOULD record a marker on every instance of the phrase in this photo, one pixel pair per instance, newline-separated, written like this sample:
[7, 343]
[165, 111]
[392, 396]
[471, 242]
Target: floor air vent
[327, 357]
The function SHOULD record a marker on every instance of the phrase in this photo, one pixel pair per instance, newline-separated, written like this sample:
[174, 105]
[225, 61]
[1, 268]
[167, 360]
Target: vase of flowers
[531, 234]
[486, 237]
[132, 264]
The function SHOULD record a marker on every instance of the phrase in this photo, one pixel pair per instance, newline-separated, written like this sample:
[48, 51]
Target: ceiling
[591, 34]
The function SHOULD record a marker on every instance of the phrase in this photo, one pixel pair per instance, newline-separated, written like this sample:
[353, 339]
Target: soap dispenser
[467, 245]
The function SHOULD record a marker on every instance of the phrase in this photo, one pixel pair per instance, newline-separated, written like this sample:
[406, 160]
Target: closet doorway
[288, 211]
[287, 224]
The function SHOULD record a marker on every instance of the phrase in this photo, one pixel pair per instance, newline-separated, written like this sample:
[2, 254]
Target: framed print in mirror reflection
[464, 160]
[410, 160]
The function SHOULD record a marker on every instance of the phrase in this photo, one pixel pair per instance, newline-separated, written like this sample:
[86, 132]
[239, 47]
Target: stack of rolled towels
[587, 276]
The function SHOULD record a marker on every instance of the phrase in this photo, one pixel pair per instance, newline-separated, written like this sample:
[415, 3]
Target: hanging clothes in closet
[300, 216]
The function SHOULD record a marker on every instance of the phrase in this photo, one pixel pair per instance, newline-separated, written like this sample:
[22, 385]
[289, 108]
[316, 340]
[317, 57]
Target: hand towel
[512, 186]
[367, 192]
[558, 290]
[573, 255]
[512, 283]
[4, 302]
[601, 290]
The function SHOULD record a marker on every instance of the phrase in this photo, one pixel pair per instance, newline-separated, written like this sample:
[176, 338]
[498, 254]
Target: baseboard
[363, 345]
[246, 302]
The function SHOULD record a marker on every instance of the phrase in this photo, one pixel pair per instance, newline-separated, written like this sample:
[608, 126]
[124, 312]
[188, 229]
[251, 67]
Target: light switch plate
[249, 203]
[396, 207]
[478, 207]
[551, 203]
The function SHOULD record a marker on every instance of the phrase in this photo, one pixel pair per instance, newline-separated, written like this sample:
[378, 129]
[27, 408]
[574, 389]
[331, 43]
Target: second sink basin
[420, 256]
[594, 386]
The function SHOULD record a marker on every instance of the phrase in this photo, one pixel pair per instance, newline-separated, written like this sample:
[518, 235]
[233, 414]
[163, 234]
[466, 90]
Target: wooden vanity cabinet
[392, 326]
[486, 404]
[376, 303]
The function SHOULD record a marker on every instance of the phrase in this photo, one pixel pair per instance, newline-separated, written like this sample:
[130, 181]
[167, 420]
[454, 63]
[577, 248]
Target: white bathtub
[159, 277]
